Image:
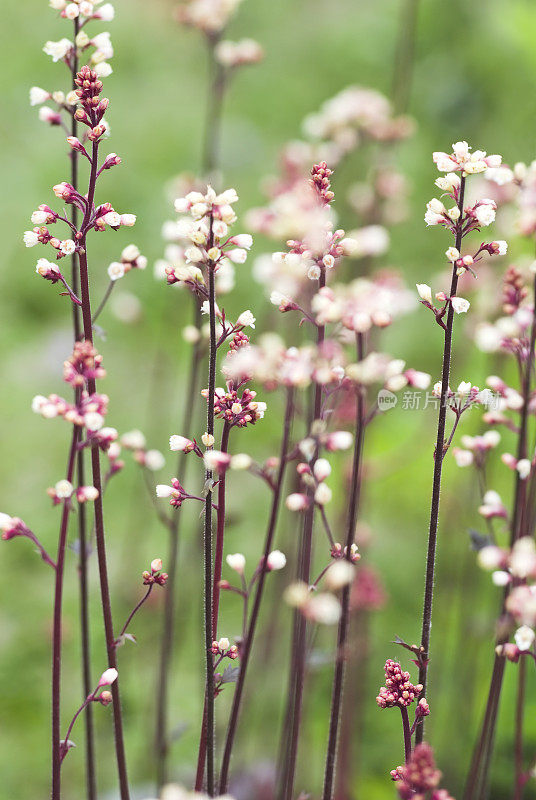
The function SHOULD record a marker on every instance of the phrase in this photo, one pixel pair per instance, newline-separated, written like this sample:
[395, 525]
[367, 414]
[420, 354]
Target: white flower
[178, 443]
[322, 469]
[103, 45]
[93, 421]
[57, 50]
[452, 254]
[116, 270]
[154, 460]
[243, 240]
[162, 490]
[130, 253]
[460, 305]
[485, 213]
[108, 677]
[324, 608]
[238, 255]
[30, 238]
[241, 461]
[113, 219]
[463, 458]
[38, 96]
[39, 217]
[67, 247]
[103, 69]
[340, 574]
[425, 292]
[500, 578]
[106, 12]
[246, 319]
[133, 440]
[296, 502]
[523, 467]
[63, 489]
[237, 562]
[323, 494]
[464, 388]
[524, 637]
[276, 560]
[71, 10]
[501, 246]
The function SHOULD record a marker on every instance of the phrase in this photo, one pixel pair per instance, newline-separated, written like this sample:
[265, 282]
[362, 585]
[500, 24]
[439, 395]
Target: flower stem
[99, 516]
[477, 779]
[338, 677]
[57, 626]
[518, 748]
[438, 464]
[220, 536]
[135, 611]
[207, 732]
[167, 638]
[248, 643]
[91, 778]
[103, 302]
[407, 733]
[299, 645]
[405, 55]
[216, 92]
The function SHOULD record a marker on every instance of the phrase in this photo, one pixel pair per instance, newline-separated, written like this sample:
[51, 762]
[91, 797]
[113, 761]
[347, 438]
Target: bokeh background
[473, 79]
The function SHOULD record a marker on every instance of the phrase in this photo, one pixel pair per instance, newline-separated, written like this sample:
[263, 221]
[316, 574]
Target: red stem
[340, 658]
[407, 733]
[299, 646]
[99, 515]
[167, 638]
[220, 536]
[206, 744]
[135, 610]
[480, 763]
[57, 631]
[248, 643]
[438, 464]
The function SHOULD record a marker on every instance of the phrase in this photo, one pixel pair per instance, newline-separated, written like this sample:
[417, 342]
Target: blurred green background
[474, 79]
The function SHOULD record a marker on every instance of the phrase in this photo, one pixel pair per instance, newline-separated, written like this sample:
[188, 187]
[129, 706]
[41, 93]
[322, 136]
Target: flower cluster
[155, 575]
[515, 568]
[208, 16]
[206, 229]
[419, 777]
[237, 410]
[131, 258]
[398, 689]
[84, 364]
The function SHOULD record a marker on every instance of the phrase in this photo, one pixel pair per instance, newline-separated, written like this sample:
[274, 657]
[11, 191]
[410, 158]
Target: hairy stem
[99, 515]
[407, 733]
[299, 648]
[220, 536]
[340, 658]
[438, 464]
[252, 626]
[207, 728]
